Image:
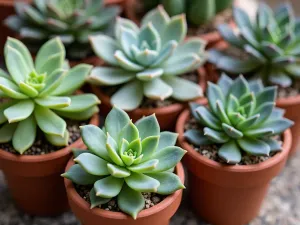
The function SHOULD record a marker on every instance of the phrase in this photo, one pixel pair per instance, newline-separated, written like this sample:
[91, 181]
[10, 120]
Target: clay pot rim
[287, 142]
[161, 110]
[72, 193]
[50, 156]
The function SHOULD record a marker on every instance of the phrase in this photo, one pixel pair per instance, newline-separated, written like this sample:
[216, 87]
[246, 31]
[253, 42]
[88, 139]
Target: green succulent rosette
[125, 159]
[146, 61]
[38, 94]
[71, 20]
[241, 118]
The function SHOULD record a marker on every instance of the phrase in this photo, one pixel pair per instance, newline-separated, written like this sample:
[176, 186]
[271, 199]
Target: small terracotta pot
[35, 182]
[224, 194]
[166, 116]
[159, 214]
[291, 105]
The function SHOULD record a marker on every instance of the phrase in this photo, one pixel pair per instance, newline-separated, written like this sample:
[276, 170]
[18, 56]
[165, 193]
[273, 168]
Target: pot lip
[72, 194]
[105, 99]
[287, 137]
[95, 120]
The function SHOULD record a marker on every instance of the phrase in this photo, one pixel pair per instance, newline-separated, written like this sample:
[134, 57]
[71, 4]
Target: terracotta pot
[228, 195]
[291, 105]
[166, 116]
[35, 182]
[211, 38]
[159, 214]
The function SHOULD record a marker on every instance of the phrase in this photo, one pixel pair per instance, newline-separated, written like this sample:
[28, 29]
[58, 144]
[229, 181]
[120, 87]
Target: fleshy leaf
[92, 164]
[108, 187]
[79, 176]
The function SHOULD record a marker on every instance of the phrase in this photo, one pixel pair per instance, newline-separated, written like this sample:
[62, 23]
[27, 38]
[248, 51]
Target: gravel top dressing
[41, 146]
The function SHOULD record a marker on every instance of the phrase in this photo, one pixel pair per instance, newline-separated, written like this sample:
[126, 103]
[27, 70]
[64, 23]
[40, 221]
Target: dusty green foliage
[125, 159]
[72, 20]
[241, 117]
[37, 93]
[197, 11]
[147, 60]
[272, 42]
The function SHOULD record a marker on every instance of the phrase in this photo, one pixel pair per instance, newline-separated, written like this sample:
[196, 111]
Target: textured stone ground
[281, 207]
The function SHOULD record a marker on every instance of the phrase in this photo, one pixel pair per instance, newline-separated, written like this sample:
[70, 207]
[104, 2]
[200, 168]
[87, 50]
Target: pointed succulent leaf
[230, 152]
[166, 139]
[149, 146]
[7, 132]
[169, 182]
[108, 187]
[166, 51]
[215, 136]
[53, 102]
[92, 164]
[53, 81]
[58, 140]
[105, 48]
[150, 74]
[94, 138]
[131, 201]
[95, 200]
[183, 90]
[279, 125]
[144, 167]
[225, 84]
[112, 149]
[196, 137]
[49, 122]
[231, 131]
[157, 89]
[259, 132]
[118, 171]
[168, 158]
[73, 80]
[208, 118]
[254, 146]
[142, 183]
[176, 29]
[214, 93]
[128, 97]
[110, 76]
[148, 126]
[126, 63]
[80, 103]
[24, 135]
[129, 132]
[80, 116]
[79, 176]
[20, 111]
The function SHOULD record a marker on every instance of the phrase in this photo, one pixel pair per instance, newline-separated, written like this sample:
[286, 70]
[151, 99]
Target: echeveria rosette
[125, 159]
[271, 41]
[146, 61]
[241, 117]
[37, 94]
[72, 20]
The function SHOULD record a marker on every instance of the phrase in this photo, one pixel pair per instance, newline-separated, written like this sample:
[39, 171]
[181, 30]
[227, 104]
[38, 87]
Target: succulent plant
[241, 117]
[147, 60]
[37, 94]
[198, 12]
[125, 159]
[72, 20]
[271, 42]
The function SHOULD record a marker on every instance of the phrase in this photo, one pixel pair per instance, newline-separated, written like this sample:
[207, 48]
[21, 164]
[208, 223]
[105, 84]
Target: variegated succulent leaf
[125, 159]
[270, 42]
[146, 60]
[198, 12]
[72, 20]
[241, 117]
[39, 93]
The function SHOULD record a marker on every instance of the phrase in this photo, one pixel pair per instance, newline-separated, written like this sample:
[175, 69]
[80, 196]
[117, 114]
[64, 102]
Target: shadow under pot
[223, 194]
[208, 32]
[34, 181]
[166, 115]
[159, 214]
[290, 104]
